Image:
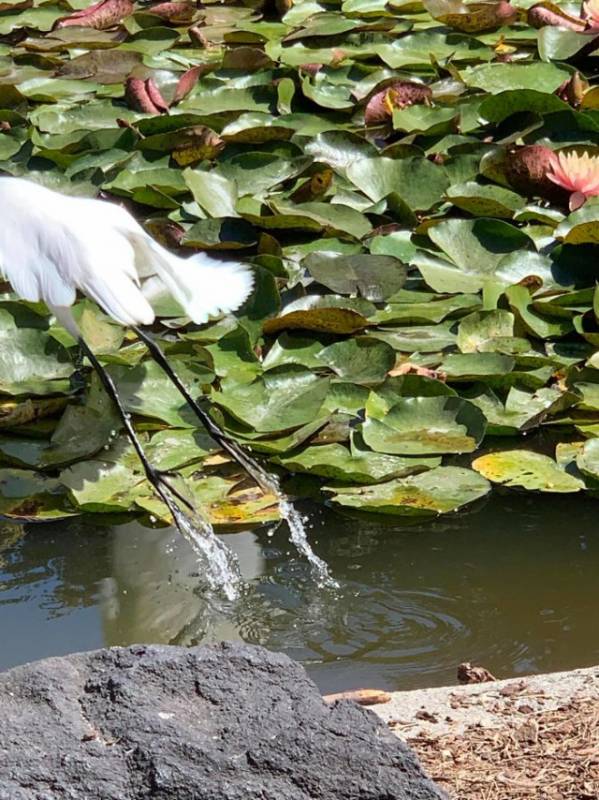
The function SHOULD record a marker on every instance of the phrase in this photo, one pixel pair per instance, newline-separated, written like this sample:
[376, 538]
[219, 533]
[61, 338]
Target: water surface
[512, 585]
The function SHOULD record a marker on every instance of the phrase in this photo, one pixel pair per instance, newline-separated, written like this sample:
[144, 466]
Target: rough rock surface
[224, 722]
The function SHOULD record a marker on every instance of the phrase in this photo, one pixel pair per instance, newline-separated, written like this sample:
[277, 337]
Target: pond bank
[533, 737]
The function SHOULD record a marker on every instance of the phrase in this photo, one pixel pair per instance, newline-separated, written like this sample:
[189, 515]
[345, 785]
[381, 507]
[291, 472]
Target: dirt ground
[507, 740]
[549, 756]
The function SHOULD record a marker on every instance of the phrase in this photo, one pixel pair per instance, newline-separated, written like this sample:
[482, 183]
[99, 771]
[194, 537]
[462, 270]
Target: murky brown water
[513, 585]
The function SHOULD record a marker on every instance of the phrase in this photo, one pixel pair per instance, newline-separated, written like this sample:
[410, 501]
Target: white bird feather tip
[221, 286]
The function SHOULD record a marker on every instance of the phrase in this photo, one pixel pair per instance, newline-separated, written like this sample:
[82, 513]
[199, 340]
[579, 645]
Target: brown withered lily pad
[102, 15]
[399, 94]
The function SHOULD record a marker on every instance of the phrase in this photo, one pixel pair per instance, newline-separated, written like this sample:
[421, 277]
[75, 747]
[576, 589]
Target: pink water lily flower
[590, 12]
[577, 174]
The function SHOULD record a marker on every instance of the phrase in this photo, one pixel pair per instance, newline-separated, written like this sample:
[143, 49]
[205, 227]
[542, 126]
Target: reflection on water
[151, 594]
[512, 586]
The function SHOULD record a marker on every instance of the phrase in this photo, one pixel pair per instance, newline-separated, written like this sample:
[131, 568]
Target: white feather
[52, 245]
[202, 286]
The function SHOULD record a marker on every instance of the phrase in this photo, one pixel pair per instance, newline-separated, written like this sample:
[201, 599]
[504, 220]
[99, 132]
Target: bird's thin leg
[77, 378]
[154, 476]
[264, 480]
[79, 356]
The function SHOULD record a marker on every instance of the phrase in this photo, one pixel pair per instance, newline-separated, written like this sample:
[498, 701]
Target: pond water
[512, 585]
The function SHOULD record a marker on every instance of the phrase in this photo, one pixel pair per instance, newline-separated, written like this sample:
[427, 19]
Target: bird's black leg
[79, 356]
[266, 481]
[156, 478]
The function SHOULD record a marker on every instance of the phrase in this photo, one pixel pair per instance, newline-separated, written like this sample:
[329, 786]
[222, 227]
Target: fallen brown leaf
[364, 697]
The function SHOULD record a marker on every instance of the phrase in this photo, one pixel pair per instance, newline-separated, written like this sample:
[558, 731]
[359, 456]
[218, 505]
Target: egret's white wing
[31, 247]
[51, 245]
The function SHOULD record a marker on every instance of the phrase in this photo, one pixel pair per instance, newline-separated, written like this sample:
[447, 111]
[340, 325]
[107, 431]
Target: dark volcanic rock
[228, 722]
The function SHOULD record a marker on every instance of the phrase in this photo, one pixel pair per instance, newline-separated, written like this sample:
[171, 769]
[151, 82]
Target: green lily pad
[226, 502]
[498, 107]
[31, 361]
[524, 410]
[220, 234]
[375, 278]
[29, 497]
[334, 461]
[233, 357]
[97, 417]
[280, 400]
[582, 226]
[537, 323]
[557, 43]
[425, 120]
[476, 366]
[424, 426]
[417, 181]
[216, 194]
[361, 359]
[473, 249]
[339, 149]
[437, 491]
[433, 310]
[345, 398]
[175, 448]
[496, 77]
[418, 338]
[415, 50]
[287, 443]
[587, 459]
[477, 332]
[145, 390]
[101, 486]
[485, 201]
[293, 348]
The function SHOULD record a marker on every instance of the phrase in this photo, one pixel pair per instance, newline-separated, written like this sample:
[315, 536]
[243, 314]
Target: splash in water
[222, 573]
[222, 568]
[299, 538]
[296, 523]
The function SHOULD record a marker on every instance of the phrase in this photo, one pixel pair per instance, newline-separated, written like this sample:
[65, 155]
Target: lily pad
[582, 226]
[587, 459]
[418, 338]
[319, 316]
[361, 359]
[473, 249]
[477, 332]
[374, 277]
[280, 400]
[226, 502]
[527, 470]
[101, 486]
[31, 362]
[335, 461]
[485, 201]
[417, 181]
[145, 390]
[500, 77]
[30, 497]
[424, 426]
[437, 491]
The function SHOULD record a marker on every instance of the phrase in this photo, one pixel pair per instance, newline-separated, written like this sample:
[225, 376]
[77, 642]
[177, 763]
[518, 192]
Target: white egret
[53, 245]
